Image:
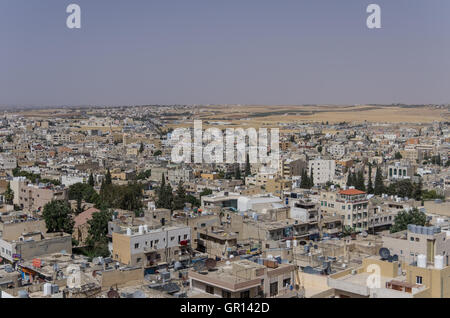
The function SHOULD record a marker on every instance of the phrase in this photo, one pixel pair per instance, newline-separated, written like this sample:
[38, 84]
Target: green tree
[144, 175]
[193, 200]
[180, 197]
[398, 156]
[141, 148]
[379, 185]
[348, 230]
[157, 153]
[9, 194]
[360, 185]
[417, 192]
[205, 191]
[237, 172]
[58, 217]
[165, 195]
[403, 218]
[97, 240]
[350, 181]
[248, 171]
[91, 181]
[9, 138]
[108, 179]
[130, 197]
[83, 191]
[370, 189]
[311, 179]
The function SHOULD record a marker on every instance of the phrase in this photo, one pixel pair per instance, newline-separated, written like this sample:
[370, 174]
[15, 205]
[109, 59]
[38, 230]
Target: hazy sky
[224, 51]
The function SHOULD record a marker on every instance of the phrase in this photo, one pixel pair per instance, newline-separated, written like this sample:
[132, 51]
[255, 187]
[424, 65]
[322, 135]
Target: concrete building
[7, 161]
[245, 279]
[35, 197]
[416, 240]
[323, 170]
[147, 248]
[395, 280]
[399, 171]
[34, 244]
[351, 205]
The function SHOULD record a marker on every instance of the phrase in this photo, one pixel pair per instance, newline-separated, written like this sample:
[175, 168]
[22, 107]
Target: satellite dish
[389, 259]
[384, 253]
[364, 234]
[210, 263]
[395, 258]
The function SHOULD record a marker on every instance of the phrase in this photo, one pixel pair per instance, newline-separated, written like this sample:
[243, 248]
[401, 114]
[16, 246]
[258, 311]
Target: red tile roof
[351, 192]
[85, 216]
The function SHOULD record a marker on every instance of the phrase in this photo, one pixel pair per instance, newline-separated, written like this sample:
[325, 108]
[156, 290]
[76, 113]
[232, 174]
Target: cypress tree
[91, 181]
[379, 185]
[247, 166]
[370, 185]
[108, 177]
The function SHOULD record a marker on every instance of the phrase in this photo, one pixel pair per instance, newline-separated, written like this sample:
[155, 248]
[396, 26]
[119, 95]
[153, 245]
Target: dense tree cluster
[403, 218]
[58, 217]
[33, 177]
[356, 179]
[306, 182]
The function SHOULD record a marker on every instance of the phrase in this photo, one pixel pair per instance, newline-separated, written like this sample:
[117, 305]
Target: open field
[223, 116]
[271, 116]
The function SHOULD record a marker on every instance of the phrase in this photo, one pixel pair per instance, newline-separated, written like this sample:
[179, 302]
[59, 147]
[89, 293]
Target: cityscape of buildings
[92, 206]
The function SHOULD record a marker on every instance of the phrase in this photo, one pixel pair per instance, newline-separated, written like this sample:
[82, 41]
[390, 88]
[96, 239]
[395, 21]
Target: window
[286, 282]
[419, 280]
[412, 239]
[209, 289]
[274, 289]
[136, 245]
[226, 294]
[245, 294]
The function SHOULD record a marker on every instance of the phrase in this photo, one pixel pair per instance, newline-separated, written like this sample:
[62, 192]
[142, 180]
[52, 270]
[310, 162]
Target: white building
[7, 161]
[323, 170]
[337, 150]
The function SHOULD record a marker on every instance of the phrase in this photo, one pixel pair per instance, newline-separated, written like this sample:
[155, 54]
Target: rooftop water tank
[421, 261]
[47, 289]
[288, 243]
[23, 294]
[439, 262]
